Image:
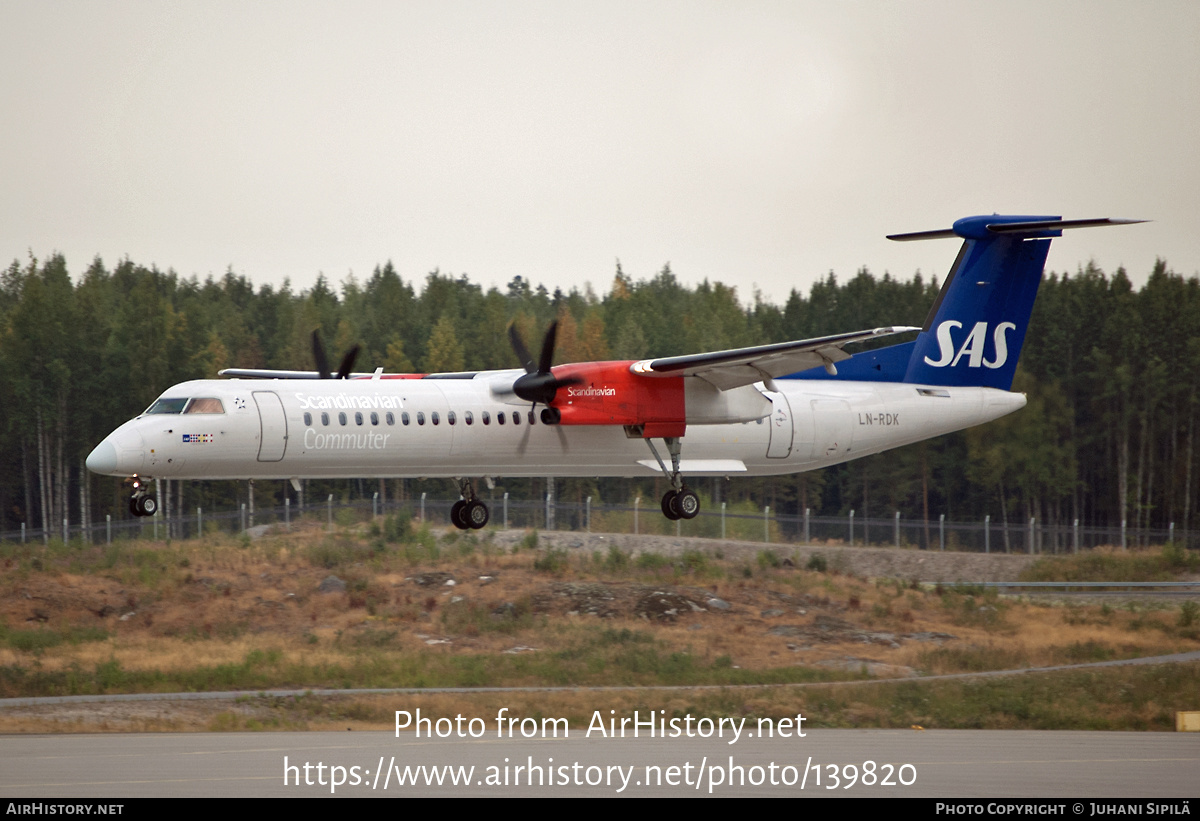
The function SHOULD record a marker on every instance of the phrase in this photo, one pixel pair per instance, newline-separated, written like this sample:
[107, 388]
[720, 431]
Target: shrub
[696, 562]
[1189, 612]
[552, 560]
[616, 559]
[398, 527]
[768, 559]
[651, 561]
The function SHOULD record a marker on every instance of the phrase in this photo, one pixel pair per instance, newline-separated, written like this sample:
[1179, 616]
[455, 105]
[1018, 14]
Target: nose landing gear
[143, 504]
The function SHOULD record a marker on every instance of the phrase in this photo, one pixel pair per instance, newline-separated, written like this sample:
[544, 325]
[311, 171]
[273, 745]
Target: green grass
[1129, 698]
[1133, 566]
[609, 657]
[36, 639]
[552, 560]
[1142, 698]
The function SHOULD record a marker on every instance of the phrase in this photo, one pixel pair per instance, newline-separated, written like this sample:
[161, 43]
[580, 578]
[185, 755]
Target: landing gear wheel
[669, 505]
[687, 504]
[457, 514]
[476, 514]
[143, 505]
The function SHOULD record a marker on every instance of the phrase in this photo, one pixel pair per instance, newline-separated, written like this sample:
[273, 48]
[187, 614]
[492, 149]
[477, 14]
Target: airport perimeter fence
[644, 516]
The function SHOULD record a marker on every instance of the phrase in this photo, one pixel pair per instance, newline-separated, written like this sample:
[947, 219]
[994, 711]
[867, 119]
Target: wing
[249, 373]
[745, 366]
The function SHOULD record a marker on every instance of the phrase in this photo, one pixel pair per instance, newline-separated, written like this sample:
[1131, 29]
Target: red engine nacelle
[610, 394]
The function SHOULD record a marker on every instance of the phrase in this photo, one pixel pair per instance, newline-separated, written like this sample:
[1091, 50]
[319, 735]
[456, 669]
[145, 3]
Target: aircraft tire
[476, 515]
[687, 504]
[133, 506]
[457, 516]
[148, 505]
[669, 508]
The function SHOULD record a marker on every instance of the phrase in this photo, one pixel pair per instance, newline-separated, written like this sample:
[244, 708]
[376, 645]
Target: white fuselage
[293, 428]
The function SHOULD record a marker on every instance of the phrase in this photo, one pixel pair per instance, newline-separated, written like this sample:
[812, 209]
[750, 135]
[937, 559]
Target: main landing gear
[468, 513]
[679, 502]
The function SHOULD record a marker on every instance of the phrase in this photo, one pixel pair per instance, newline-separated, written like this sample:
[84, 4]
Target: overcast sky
[761, 144]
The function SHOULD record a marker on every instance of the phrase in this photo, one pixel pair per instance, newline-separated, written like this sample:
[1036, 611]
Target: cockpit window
[205, 405]
[166, 405]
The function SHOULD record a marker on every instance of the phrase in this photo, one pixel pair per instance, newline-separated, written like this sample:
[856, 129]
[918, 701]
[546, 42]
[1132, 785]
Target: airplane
[764, 410]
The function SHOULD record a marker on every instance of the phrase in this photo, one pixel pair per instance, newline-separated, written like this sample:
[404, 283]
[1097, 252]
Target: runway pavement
[859, 763]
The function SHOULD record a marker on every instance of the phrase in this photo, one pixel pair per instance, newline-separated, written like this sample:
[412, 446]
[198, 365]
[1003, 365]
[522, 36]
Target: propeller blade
[348, 363]
[548, 348]
[514, 336]
[538, 385]
[501, 392]
[524, 443]
[319, 355]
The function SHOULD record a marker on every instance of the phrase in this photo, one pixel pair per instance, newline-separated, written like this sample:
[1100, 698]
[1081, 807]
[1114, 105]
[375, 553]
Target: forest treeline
[1112, 375]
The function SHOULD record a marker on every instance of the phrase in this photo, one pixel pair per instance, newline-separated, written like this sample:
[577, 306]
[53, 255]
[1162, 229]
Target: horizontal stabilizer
[945, 233]
[969, 228]
[1056, 225]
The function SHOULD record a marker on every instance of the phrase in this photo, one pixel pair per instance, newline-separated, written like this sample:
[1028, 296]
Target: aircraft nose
[103, 459]
[122, 453]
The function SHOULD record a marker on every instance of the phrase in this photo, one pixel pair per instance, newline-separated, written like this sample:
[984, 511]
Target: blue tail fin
[974, 332]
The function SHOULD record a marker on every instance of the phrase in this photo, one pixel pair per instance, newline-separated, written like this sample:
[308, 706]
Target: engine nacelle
[707, 405]
[611, 394]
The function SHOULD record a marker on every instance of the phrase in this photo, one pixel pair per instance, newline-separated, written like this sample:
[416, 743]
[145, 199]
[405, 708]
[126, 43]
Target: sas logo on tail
[972, 347]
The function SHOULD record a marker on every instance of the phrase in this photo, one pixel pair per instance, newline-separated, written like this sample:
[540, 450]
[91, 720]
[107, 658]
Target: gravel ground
[867, 562]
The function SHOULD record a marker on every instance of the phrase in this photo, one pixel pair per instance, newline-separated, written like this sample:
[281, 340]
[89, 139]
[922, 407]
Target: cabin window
[404, 418]
[390, 418]
[531, 417]
[435, 418]
[487, 418]
[374, 418]
[205, 405]
[167, 406]
[325, 419]
[467, 417]
[451, 418]
[500, 418]
[420, 417]
[342, 418]
[358, 418]
[516, 418]
[307, 419]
